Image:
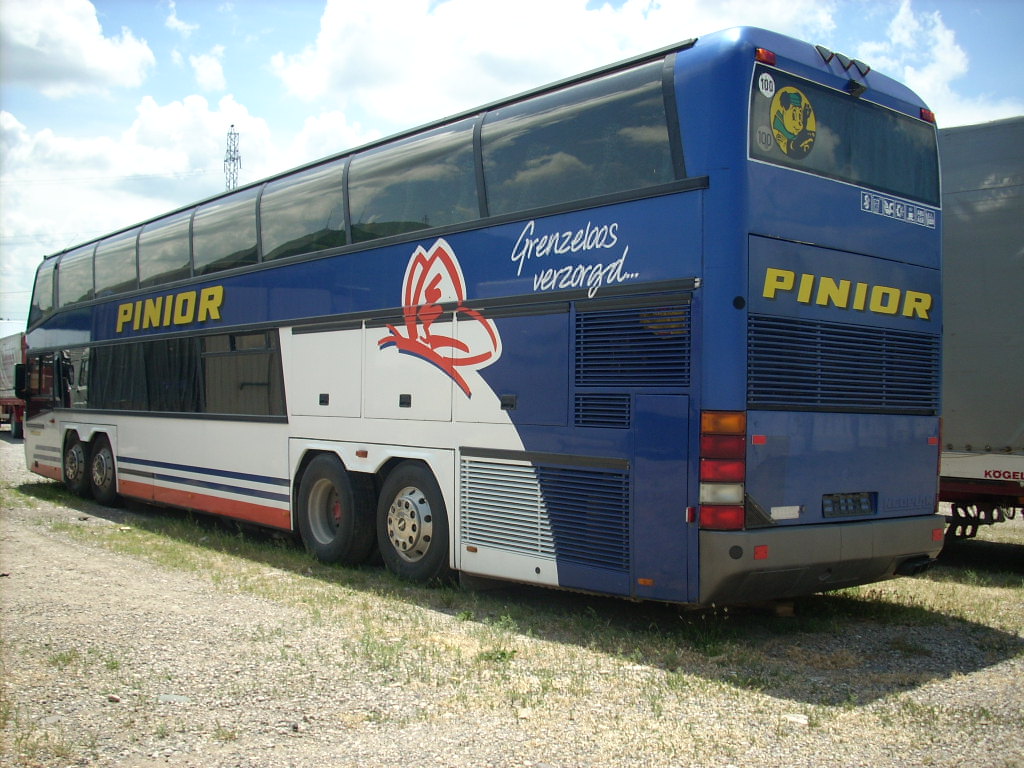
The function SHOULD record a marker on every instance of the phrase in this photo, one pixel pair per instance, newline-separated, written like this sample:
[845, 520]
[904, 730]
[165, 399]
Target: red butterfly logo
[433, 279]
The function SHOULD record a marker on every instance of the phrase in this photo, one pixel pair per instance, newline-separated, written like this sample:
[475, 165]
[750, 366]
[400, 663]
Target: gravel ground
[115, 660]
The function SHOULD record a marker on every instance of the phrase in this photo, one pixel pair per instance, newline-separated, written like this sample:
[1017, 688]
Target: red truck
[12, 352]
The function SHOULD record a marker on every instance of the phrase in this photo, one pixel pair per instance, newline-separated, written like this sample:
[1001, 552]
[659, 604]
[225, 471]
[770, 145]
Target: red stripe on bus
[218, 505]
[54, 473]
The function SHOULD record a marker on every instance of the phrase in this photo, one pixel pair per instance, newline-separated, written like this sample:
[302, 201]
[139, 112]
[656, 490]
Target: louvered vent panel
[578, 515]
[831, 366]
[597, 410]
[634, 346]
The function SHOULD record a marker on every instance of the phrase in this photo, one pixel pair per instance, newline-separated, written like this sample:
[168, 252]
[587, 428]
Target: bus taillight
[764, 56]
[927, 115]
[723, 468]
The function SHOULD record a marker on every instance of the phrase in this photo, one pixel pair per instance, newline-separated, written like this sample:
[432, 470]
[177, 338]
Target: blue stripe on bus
[205, 471]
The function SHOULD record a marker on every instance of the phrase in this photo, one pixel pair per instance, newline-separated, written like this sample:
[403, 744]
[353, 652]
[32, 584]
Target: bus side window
[42, 293]
[599, 137]
[165, 254]
[116, 266]
[224, 233]
[424, 181]
[303, 213]
[74, 276]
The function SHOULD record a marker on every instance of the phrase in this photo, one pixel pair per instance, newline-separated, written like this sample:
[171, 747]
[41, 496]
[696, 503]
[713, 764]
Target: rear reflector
[721, 518]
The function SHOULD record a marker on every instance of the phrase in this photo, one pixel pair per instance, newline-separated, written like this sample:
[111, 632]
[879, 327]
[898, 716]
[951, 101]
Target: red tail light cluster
[723, 469]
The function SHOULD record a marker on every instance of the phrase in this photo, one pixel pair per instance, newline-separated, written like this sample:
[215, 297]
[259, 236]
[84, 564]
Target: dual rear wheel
[341, 518]
[89, 469]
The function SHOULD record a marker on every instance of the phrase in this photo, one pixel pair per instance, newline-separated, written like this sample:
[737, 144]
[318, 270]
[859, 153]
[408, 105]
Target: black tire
[102, 473]
[76, 466]
[335, 512]
[412, 525]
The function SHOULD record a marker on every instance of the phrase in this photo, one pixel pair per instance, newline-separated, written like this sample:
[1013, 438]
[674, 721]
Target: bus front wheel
[75, 469]
[412, 524]
[335, 513]
[102, 475]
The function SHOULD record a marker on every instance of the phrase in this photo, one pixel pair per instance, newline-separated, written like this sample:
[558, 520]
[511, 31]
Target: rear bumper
[800, 560]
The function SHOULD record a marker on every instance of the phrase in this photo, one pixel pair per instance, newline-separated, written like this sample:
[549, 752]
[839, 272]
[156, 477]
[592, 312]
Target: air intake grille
[575, 514]
[608, 411]
[805, 364]
[634, 346]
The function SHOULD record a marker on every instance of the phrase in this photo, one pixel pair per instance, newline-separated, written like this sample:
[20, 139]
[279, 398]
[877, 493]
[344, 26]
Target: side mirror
[21, 382]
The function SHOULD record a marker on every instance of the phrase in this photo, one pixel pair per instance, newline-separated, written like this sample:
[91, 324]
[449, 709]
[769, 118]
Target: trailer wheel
[75, 468]
[335, 512]
[412, 524]
[102, 474]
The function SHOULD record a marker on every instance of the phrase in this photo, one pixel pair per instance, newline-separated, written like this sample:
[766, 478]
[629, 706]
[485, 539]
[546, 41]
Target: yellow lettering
[916, 303]
[151, 312]
[831, 291]
[803, 294]
[124, 315]
[184, 308]
[209, 303]
[776, 280]
[171, 309]
[860, 296]
[885, 300]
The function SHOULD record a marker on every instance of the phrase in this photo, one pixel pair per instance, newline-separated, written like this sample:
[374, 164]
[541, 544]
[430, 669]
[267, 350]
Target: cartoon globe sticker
[793, 123]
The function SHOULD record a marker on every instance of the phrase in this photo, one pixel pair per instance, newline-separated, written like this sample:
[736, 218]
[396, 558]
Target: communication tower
[232, 160]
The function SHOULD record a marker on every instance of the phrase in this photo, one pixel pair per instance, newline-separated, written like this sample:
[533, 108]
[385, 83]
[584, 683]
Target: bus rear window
[799, 124]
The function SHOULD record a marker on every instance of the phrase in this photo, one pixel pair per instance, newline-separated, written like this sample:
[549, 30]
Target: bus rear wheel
[412, 524]
[75, 468]
[335, 512]
[102, 474]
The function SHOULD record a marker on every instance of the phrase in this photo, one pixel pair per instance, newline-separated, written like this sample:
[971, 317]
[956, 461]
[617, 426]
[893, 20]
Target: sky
[114, 111]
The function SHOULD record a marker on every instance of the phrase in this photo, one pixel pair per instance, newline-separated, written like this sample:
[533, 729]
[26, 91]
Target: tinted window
[116, 270]
[303, 213]
[242, 374]
[603, 136]
[233, 374]
[224, 233]
[424, 181]
[75, 276]
[164, 254]
[42, 292]
[802, 125]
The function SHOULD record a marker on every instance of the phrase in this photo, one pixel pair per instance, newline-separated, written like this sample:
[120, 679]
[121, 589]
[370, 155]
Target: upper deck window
[303, 213]
[224, 233]
[806, 126]
[74, 281]
[164, 253]
[599, 137]
[116, 269]
[42, 292]
[424, 181]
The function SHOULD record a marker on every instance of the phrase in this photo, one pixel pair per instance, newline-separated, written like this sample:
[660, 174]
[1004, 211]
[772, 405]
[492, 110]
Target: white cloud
[173, 22]
[208, 69]
[920, 51]
[59, 48]
[403, 62]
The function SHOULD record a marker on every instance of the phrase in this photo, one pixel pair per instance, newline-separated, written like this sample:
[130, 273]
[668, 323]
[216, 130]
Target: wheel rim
[102, 469]
[325, 509]
[410, 524]
[74, 463]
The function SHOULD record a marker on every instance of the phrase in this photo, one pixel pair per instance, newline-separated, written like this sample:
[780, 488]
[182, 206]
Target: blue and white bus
[668, 330]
